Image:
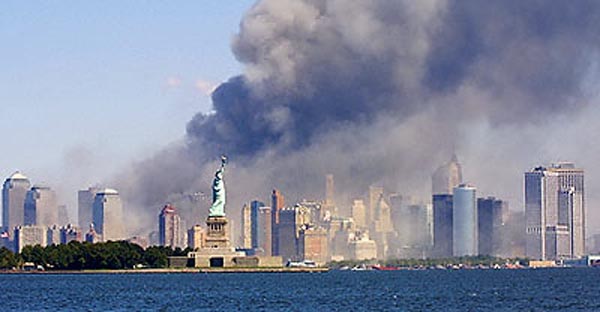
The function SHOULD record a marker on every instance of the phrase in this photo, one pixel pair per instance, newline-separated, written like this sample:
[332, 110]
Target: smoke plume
[382, 92]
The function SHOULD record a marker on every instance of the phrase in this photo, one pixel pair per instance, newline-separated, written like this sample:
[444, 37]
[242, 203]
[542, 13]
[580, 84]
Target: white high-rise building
[41, 207]
[464, 216]
[13, 200]
[446, 177]
[108, 215]
[555, 212]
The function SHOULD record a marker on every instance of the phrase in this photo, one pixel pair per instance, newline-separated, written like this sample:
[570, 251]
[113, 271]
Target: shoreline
[173, 271]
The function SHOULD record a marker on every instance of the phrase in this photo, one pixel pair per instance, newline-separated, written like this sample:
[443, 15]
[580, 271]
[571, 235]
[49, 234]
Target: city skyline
[369, 125]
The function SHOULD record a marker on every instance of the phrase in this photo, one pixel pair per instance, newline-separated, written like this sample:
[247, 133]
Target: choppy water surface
[532, 290]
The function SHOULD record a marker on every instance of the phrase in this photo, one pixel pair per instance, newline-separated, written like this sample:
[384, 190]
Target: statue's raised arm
[218, 205]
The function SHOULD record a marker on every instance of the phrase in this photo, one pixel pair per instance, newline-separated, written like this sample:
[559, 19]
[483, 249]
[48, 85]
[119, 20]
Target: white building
[13, 200]
[464, 215]
[108, 215]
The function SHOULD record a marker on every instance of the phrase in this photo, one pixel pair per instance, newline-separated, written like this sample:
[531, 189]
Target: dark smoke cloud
[381, 92]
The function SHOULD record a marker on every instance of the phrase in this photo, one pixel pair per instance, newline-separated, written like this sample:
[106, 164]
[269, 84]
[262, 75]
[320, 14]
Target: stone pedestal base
[217, 233]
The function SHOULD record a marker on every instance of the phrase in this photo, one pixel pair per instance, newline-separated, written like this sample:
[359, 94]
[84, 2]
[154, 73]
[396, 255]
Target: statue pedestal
[217, 234]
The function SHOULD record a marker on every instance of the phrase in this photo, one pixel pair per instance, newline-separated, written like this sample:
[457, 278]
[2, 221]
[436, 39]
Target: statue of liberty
[218, 188]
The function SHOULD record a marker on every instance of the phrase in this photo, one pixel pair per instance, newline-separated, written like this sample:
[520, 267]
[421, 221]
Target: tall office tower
[464, 216]
[382, 220]
[375, 195]
[555, 212]
[492, 214]
[287, 234]
[329, 207]
[41, 207]
[196, 237]
[246, 227]
[329, 191]
[396, 210]
[255, 206]
[277, 203]
[265, 231]
[30, 235]
[446, 177]
[442, 225]
[13, 200]
[359, 213]
[85, 206]
[108, 215]
[169, 229]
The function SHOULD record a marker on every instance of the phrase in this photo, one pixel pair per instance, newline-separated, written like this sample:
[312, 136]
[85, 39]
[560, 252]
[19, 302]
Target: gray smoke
[382, 92]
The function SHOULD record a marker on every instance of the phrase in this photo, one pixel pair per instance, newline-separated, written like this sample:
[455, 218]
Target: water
[504, 290]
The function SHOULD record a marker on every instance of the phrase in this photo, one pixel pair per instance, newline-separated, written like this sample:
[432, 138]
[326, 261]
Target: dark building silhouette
[277, 203]
[442, 225]
[491, 214]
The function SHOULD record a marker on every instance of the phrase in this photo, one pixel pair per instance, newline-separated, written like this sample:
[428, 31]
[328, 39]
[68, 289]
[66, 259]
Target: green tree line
[87, 256]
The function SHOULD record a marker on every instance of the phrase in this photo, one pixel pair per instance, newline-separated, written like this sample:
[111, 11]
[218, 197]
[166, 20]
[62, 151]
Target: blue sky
[100, 84]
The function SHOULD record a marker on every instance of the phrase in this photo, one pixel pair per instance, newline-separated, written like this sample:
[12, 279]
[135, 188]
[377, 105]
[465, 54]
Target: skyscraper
[359, 213]
[287, 234]
[277, 204]
[329, 207]
[169, 229]
[491, 216]
[85, 206]
[108, 215]
[555, 212]
[329, 191]
[442, 225]
[464, 216]
[265, 232]
[446, 177]
[255, 206]
[246, 227]
[14, 192]
[41, 207]
[375, 196]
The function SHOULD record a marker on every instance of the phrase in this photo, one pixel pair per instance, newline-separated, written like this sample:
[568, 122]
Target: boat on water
[384, 268]
[301, 264]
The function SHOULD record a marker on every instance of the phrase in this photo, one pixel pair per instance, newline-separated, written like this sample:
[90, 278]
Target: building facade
[442, 225]
[30, 235]
[85, 206]
[277, 204]
[492, 214]
[14, 192]
[446, 177]
[359, 213]
[555, 212]
[108, 215]
[169, 227]
[464, 217]
[246, 237]
[41, 207]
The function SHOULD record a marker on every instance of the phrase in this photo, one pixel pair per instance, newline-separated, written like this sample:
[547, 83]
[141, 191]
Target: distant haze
[383, 92]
